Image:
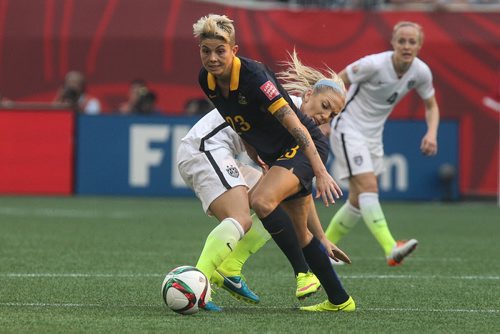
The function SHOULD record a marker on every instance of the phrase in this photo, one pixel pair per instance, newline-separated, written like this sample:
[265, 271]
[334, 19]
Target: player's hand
[334, 252]
[327, 188]
[429, 145]
[262, 164]
[339, 255]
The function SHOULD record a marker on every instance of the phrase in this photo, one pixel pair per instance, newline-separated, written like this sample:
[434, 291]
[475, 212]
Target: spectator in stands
[73, 94]
[198, 107]
[137, 88]
[141, 100]
[5, 102]
[146, 104]
[437, 5]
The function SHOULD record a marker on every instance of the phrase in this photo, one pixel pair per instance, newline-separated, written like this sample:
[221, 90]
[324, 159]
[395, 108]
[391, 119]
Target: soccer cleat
[236, 286]
[307, 284]
[211, 307]
[400, 251]
[326, 306]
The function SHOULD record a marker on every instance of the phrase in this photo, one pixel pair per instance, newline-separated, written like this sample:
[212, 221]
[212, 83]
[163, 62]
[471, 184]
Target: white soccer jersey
[375, 90]
[212, 132]
[206, 159]
[297, 101]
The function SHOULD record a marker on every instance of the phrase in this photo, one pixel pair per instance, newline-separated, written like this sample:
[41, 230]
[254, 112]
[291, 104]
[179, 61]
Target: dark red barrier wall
[36, 152]
[114, 41]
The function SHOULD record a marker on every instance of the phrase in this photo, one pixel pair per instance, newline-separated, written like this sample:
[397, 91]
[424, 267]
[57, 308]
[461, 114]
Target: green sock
[375, 220]
[219, 244]
[342, 222]
[253, 240]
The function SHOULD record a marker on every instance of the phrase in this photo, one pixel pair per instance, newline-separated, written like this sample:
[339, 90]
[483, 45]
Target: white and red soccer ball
[185, 290]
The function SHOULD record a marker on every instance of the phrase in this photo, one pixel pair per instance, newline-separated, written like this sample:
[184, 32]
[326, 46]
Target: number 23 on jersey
[238, 123]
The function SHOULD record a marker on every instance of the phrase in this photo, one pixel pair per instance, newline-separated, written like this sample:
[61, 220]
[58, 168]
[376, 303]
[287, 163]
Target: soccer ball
[185, 289]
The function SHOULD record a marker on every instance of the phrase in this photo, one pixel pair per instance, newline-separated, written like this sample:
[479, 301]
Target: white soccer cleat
[400, 251]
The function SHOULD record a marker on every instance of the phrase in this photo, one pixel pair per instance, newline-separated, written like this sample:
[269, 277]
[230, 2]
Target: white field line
[360, 276]
[63, 213]
[75, 275]
[370, 276]
[18, 304]
[370, 309]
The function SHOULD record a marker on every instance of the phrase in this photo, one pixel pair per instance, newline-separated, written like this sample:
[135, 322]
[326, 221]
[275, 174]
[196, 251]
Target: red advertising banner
[115, 41]
[36, 152]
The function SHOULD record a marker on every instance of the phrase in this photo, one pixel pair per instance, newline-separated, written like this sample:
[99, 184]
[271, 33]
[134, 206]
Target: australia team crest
[242, 99]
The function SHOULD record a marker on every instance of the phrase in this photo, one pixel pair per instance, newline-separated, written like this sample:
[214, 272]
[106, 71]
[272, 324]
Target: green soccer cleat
[236, 286]
[307, 284]
[326, 306]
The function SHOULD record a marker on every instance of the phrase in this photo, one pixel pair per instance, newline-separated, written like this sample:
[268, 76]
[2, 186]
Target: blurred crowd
[140, 100]
[376, 4]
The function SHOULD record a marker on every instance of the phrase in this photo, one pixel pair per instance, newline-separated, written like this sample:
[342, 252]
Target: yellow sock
[342, 222]
[219, 244]
[374, 218]
[253, 240]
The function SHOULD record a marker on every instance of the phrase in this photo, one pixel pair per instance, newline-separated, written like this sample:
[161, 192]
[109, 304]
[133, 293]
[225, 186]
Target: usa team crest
[233, 171]
[358, 160]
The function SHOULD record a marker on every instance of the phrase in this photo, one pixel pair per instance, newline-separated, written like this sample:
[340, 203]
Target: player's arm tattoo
[300, 137]
[297, 133]
[282, 112]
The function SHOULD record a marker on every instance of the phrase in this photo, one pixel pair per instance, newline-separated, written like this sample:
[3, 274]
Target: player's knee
[367, 185]
[245, 222]
[304, 237]
[353, 200]
[262, 206]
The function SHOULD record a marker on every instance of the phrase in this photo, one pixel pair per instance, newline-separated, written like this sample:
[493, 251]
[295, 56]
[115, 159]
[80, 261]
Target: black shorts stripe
[345, 107]
[211, 134]
[209, 155]
[344, 148]
[217, 169]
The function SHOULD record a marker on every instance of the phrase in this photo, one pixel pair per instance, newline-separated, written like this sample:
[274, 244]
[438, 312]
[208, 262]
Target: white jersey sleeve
[376, 89]
[361, 70]
[425, 89]
[297, 101]
[212, 132]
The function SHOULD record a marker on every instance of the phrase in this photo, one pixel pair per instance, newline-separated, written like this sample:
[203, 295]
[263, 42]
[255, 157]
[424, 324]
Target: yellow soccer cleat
[307, 284]
[326, 306]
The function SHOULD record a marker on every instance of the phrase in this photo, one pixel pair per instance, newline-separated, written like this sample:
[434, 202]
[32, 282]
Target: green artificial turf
[96, 265]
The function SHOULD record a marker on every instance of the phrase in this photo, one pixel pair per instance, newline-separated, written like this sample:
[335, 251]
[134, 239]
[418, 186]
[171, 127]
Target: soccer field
[96, 265]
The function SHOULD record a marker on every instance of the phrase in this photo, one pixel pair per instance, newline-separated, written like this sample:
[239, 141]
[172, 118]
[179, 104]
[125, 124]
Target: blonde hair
[215, 26]
[298, 78]
[402, 24]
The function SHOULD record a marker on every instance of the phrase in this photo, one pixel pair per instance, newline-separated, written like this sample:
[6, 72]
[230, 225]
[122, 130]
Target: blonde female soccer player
[207, 161]
[250, 98]
[377, 83]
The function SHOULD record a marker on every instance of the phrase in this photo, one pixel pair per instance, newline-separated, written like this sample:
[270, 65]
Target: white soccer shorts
[210, 174]
[354, 154]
